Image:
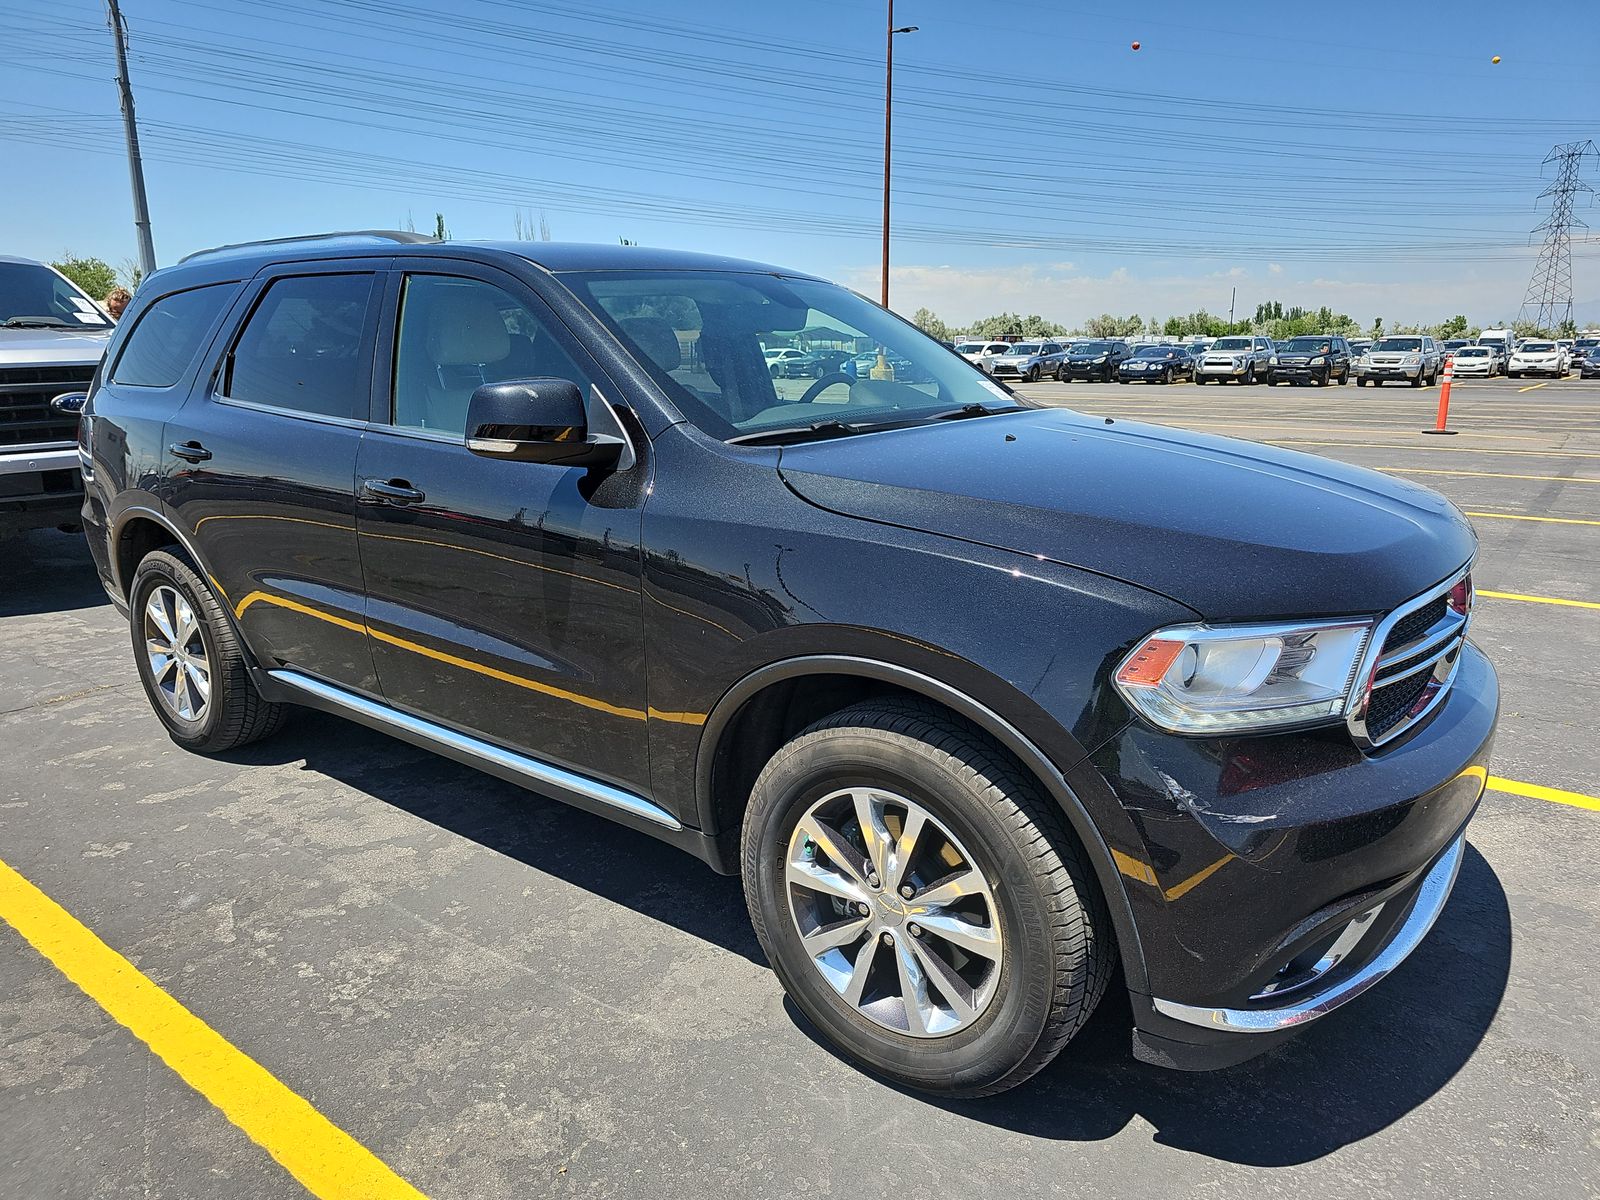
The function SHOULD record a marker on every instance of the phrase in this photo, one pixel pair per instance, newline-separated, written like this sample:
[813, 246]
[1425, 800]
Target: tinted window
[168, 335]
[302, 347]
[457, 335]
[34, 296]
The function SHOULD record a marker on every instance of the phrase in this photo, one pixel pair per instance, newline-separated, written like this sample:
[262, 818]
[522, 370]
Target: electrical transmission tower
[1548, 302]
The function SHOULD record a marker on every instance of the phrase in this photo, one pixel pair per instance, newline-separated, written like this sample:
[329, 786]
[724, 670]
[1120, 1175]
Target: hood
[47, 347]
[1234, 530]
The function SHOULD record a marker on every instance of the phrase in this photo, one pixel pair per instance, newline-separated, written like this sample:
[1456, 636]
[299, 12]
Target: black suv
[983, 700]
[1320, 360]
[1092, 360]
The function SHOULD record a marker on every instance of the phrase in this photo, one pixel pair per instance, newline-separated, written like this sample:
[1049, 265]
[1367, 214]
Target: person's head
[116, 301]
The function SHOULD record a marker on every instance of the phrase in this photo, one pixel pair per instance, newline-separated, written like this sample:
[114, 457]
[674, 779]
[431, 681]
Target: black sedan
[1589, 368]
[1156, 364]
[813, 364]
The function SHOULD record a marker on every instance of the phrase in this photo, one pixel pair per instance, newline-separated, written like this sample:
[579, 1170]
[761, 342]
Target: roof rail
[392, 235]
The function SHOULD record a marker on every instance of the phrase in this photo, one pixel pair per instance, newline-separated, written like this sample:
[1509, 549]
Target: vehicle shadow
[1343, 1079]
[1347, 1077]
[624, 866]
[46, 571]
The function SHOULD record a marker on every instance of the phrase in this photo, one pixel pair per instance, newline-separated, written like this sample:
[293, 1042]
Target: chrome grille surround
[1434, 653]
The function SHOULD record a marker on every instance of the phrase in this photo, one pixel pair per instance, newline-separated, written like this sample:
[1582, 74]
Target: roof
[12, 258]
[246, 258]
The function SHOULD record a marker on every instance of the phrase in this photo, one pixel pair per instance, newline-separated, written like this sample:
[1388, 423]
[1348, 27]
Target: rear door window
[169, 334]
[305, 347]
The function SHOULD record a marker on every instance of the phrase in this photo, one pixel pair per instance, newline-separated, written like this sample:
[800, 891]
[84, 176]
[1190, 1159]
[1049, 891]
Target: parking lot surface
[499, 996]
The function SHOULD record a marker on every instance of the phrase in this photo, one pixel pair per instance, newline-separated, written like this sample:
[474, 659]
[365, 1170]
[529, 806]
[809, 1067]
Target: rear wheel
[191, 665]
[921, 900]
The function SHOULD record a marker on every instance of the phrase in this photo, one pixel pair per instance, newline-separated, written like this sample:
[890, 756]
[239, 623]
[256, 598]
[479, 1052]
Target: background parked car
[1242, 359]
[1498, 350]
[1537, 358]
[1589, 366]
[1476, 360]
[1092, 360]
[813, 364]
[1160, 364]
[1315, 360]
[981, 354]
[1027, 360]
[1413, 358]
[779, 355]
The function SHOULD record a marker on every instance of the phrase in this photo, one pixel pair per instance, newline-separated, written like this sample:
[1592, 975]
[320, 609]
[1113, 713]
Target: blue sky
[1371, 158]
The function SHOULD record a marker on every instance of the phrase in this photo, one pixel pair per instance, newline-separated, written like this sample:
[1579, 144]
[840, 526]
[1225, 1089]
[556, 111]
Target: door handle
[189, 451]
[393, 491]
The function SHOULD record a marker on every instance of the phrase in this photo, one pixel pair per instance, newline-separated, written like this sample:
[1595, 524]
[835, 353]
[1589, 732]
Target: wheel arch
[767, 692]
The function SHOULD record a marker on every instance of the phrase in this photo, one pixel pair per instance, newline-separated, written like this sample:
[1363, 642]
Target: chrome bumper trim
[1430, 903]
[18, 460]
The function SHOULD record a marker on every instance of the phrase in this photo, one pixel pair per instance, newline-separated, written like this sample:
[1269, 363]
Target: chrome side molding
[1431, 897]
[497, 760]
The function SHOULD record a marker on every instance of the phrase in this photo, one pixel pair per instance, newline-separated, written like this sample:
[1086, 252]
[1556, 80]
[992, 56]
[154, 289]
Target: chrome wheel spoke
[904, 847]
[819, 878]
[957, 885]
[199, 680]
[958, 931]
[860, 970]
[913, 988]
[869, 815]
[155, 611]
[956, 994]
[830, 937]
[840, 852]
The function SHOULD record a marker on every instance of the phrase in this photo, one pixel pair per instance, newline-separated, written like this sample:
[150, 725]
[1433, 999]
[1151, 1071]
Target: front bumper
[1460, 369]
[39, 489]
[1300, 373]
[1081, 370]
[1209, 371]
[1258, 860]
[1391, 372]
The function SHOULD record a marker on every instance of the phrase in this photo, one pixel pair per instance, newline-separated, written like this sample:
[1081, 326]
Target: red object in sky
[1136, 45]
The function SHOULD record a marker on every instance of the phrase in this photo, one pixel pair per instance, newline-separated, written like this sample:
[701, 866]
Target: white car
[1476, 360]
[777, 356]
[1537, 358]
[980, 354]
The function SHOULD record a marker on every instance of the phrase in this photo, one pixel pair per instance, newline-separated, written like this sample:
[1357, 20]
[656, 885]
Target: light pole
[888, 131]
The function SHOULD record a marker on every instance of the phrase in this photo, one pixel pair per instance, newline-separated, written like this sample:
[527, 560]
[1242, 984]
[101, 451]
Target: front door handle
[393, 491]
[189, 451]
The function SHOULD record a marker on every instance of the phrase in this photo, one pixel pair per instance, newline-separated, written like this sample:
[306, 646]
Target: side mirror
[536, 420]
[70, 404]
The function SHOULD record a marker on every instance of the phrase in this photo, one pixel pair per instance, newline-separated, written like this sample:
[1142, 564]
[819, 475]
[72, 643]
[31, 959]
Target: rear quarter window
[169, 335]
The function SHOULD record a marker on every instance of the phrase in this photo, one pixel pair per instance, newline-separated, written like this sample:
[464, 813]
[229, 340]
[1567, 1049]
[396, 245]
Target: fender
[1051, 777]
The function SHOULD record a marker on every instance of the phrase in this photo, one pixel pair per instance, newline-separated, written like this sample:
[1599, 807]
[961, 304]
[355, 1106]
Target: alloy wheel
[893, 912]
[176, 652]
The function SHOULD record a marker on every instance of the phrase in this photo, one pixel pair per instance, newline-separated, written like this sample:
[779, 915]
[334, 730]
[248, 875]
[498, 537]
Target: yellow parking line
[328, 1162]
[1535, 387]
[1538, 599]
[1534, 792]
[1519, 517]
[1489, 475]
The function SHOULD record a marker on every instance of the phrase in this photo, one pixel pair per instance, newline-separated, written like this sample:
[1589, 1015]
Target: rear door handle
[393, 491]
[189, 451]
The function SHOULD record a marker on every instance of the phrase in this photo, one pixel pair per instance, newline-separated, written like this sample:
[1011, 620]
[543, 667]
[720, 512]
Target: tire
[1417, 382]
[1058, 373]
[1344, 377]
[1056, 951]
[1166, 377]
[233, 713]
[1249, 375]
[1033, 373]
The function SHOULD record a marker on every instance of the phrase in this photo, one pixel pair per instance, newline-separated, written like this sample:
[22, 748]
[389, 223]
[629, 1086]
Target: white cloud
[1274, 268]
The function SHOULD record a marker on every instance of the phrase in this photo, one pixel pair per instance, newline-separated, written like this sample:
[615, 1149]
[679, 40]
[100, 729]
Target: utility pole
[888, 130]
[130, 129]
[1549, 295]
[1233, 295]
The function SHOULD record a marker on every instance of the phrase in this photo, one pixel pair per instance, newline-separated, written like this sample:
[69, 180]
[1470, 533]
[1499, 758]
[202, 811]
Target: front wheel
[1249, 374]
[191, 665]
[921, 900]
[1033, 373]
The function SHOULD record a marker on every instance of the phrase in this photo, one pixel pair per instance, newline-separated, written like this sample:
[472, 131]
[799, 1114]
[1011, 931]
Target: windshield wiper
[816, 429]
[975, 410]
[35, 323]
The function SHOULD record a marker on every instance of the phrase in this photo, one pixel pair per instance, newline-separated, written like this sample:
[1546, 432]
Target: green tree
[931, 325]
[999, 325]
[94, 275]
[439, 231]
[1567, 329]
[1035, 326]
[1173, 327]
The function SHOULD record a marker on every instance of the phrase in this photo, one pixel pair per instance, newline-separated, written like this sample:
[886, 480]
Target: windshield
[1308, 345]
[1026, 348]
[1156, 352]
[1091, 347]
[997, 348]
[1231, 344]
[1538, 347]
[1473, 352]
[969, 348]
[698, 334]
[28, 290]
[1399, 344]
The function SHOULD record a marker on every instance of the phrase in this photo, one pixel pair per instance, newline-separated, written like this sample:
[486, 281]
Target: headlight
[1413, 359]
[1101, 359]
[1199, 679]
[1319, 361]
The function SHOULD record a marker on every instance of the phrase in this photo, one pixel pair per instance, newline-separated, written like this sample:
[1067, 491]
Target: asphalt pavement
[500, 996]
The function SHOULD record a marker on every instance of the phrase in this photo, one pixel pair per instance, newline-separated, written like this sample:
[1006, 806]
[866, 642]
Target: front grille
[26, 417]
[1415, 665]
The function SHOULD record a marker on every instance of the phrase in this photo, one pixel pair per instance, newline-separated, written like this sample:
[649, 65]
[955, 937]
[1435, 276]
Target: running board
[474, 752]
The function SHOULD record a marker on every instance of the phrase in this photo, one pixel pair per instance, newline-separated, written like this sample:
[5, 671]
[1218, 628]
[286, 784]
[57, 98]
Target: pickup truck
[52, 338]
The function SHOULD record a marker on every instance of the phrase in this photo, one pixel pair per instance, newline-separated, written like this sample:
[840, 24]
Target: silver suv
[1028, 360]
[1241, 359]
[1413, 358]
[52, 338]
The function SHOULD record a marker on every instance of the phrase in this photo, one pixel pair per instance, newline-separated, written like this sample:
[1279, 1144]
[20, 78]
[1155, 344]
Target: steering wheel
[824, 382]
